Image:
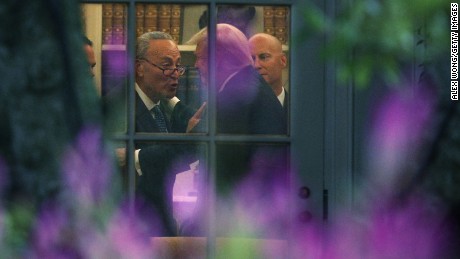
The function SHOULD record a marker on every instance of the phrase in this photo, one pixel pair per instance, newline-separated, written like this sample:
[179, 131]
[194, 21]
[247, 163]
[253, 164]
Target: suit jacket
[179, 118]
[286, 105]
[160, 163]
[246, 105]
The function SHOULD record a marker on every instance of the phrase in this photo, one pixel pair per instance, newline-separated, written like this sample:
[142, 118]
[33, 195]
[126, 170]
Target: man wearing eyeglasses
[158, 68]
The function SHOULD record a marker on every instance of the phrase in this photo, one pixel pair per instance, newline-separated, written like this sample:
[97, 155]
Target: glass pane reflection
[251, 84]
[168, 182]
[258, 172]
[252, 190]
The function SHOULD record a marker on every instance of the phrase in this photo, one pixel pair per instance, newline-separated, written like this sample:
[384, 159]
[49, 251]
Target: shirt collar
[145, 99]
[281, 97]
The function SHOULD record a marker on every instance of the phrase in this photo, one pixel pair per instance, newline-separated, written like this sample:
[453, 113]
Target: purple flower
[130, 234]
[262, 203]
[87, 167]
[399, 124]
[53, 236]
[411, 231]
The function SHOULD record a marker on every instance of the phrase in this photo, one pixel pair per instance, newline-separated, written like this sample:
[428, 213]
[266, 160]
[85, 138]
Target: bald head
[266, 39]
[269, 59]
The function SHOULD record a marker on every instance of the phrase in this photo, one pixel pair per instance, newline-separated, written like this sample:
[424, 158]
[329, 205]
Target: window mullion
[131, 22]
[211, 192]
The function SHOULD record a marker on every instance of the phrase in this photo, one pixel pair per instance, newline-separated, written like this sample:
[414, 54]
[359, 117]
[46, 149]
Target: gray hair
[143, 42]
[197, 37]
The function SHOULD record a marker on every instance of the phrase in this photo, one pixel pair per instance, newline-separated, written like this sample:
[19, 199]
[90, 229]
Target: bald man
[246, 105]
[270, 60]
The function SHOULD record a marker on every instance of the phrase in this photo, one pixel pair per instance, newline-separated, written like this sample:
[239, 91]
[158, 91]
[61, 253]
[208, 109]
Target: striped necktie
[159, 118]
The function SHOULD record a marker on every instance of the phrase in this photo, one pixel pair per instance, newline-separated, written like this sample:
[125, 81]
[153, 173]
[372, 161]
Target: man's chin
[266, 78]
[171, 94]
[168, 95]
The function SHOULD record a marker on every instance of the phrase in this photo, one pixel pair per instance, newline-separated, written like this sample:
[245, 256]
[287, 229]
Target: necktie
[159, 119]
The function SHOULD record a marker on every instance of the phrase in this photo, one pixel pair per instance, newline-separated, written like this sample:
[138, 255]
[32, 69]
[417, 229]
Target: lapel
[286, 103]
[177, 119]
[144, 119]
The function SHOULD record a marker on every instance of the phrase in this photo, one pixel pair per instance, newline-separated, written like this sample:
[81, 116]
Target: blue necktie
[159, 118]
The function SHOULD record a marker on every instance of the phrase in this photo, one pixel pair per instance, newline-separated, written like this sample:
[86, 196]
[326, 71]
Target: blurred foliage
[380, 36]
[16, 227]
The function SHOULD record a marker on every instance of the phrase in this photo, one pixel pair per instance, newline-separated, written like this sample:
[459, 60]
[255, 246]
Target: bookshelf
[108, 30]
[181, 21]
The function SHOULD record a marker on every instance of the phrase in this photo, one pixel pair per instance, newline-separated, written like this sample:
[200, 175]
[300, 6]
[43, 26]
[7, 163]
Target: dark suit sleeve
[180, 117]
[158, 157]
[159, 164]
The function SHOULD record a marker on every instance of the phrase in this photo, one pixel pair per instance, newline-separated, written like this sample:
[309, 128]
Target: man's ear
[284, 60]
[139, 68]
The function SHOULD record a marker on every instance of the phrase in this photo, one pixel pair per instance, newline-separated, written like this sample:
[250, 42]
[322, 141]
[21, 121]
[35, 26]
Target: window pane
[250, 178]
[168, 183]
[252, 190]
[251, 79]
[164, 65]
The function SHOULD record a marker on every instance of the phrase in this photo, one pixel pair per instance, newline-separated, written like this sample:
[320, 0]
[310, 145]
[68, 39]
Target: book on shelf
[150, 18]
[107, 17]
[175, 30]
[276, 21]
[280, 22]
[269, 20]
[140, 11]
[164, 18]
[125, 24]
[118, 24]
[189, 90]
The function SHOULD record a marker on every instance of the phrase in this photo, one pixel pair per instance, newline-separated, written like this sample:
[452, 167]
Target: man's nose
[175, 74]
[256, 63]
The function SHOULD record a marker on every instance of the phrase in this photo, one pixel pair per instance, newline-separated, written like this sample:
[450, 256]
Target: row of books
[276, 22]
[114, 23]
[159, 17]
[168, 18]
[149, 17]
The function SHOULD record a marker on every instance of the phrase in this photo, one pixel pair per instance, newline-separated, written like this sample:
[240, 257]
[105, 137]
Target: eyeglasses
[167, 71]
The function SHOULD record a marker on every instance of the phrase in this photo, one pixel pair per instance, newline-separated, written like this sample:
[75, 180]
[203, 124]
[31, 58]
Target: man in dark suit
[157, 77]
[245, 105]
[270, 60]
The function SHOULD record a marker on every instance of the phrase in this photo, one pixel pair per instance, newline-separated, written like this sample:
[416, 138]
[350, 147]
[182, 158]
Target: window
[304, 141]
